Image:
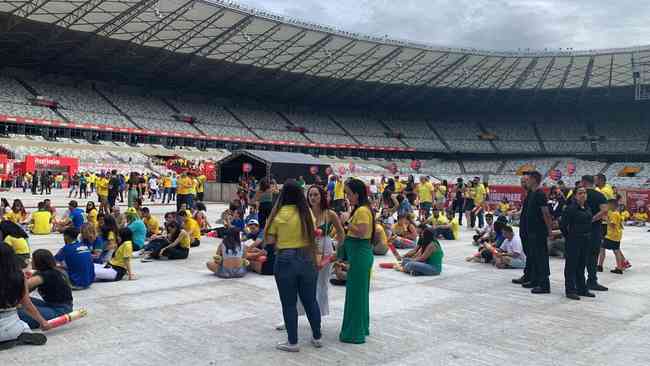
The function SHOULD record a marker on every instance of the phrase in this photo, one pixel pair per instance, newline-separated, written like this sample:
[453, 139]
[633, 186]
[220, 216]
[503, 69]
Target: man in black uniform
[523, 235]
[576, 228]
[538, 227]
[598, 205]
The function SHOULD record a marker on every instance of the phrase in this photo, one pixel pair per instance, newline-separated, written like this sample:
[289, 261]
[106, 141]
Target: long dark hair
[9, 228]
[232, 241]
[358, 187]
[110, 225]
[43, 260]
[90, 206]
[125, 235]
[265, 184]
[293, 194]
[21, 207]
[177, 230]
[324, 205]
[427, 237]
[12, 286]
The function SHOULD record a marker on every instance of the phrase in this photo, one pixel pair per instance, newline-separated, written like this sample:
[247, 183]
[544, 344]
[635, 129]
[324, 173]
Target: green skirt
[356, 316]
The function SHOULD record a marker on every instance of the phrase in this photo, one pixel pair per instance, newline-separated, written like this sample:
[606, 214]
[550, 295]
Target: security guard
[576, 228]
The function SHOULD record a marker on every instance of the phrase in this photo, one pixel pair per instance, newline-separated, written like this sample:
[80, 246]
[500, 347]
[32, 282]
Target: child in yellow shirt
[613, 239]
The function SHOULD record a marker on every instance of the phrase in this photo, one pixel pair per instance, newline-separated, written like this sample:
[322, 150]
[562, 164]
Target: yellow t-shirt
[607, 191]
[614, 226]
[167, 182]
[441, 192]
[92, 218]
[192, 227]
[441, 220]
[479, 195]
[185, 242]
[338, 190]
[362, 215]
[185, 186]
[19, 245]
[286, 227]
[381, 237]
[455, 228]
[152, 225]
[504, 207]
[42, 222]
[102, 187]
[641, 216]
[15, 217]
[625, 215]
[122, 255]
[425, 192]
[399, 187]
[201, 183]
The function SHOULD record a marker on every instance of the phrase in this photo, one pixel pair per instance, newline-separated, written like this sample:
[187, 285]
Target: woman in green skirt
[357, 249]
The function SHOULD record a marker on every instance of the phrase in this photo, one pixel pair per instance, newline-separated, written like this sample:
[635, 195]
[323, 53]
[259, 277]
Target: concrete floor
[179, 313]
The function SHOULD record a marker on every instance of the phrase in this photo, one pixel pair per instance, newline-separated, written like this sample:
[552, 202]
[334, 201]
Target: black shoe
[617, 271]
[520, 280]
[586, 294]
[599, 268]
[597, 287]
[540, 290]
[8, 344]
[528, 285]
[572, 296]
[36, 339]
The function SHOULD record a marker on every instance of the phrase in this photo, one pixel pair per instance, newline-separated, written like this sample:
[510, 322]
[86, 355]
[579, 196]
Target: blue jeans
[296, 275]
[47, 310]
[419, 268]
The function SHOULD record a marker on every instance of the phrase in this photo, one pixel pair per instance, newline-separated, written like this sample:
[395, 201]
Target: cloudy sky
[487, 24]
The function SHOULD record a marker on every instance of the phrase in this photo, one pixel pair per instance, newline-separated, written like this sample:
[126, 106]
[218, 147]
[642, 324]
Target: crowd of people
[308, 237]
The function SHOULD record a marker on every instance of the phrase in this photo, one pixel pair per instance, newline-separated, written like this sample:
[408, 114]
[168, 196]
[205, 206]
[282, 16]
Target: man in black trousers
[538, 227]
[598, 205]
[523, 235]
[576, 228]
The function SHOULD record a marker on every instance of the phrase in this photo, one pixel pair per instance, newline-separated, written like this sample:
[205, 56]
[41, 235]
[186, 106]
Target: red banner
[210, 171]
[636, 198]
[512, 193]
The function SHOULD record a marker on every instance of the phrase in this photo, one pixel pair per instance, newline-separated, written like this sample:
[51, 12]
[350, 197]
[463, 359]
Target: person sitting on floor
[404, 233]
[53, 286]
[380, 241]
[486, 250]
[486, 233]
[425, 259]
[75, 218]
[151, 222]
[120, 263]
[511, 253]
[109, 234]
[191, 227]
[15, 237]
[137, 227]
[256, 253]
[453, 223]
[76, 259]
[440, 224]
[18, 215]
[176, 245]
[90, 239]
[639, 217]
[13, 292]
[229, 261]
[41, 221]
[625, 214]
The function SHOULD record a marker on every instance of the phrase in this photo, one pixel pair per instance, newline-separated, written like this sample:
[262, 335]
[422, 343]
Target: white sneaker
[287, 347]
[280, 327]
[317, 343]
[137, 254]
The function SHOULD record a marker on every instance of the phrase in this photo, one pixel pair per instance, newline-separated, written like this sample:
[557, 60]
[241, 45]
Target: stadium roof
[224, 45]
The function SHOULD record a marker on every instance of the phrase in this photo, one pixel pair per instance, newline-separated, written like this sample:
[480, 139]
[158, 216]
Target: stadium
[130, 79]
[160, 88]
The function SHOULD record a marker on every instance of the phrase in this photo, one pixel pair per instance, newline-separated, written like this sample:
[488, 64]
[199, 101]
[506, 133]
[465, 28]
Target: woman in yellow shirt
[14, 236]
[18, 214]
[357, 249]
[290, 227]
[91, 214]
[175, 246]
[120, 263]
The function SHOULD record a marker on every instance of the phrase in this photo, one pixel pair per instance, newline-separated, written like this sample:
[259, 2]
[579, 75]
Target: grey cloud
[486, 24]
